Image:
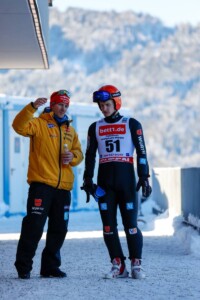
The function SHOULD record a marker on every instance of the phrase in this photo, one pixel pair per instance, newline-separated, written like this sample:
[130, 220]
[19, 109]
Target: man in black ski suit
[116, 137]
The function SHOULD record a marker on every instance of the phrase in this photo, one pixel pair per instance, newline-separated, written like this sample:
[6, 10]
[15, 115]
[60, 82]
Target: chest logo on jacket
[50, 125]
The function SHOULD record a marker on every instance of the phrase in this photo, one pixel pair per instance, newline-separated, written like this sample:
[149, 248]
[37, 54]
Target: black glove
[146, 188]
[89, 187]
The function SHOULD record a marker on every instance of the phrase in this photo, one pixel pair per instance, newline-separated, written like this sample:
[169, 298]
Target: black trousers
[43, 202]
[128, 209]
[118, 180]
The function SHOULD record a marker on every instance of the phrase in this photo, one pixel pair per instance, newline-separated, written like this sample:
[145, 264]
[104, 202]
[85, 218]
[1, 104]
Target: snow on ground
[171, 259]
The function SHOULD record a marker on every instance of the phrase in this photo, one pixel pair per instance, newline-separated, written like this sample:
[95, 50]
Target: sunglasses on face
[104, 96]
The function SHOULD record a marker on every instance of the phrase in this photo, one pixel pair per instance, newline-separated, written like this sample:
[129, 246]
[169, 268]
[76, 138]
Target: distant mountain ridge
[157, 69]
[104, 35]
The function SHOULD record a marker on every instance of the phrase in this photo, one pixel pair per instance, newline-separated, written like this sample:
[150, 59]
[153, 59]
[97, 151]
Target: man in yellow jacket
[54, 150]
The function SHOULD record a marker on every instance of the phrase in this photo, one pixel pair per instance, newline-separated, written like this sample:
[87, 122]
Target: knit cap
[62, 96]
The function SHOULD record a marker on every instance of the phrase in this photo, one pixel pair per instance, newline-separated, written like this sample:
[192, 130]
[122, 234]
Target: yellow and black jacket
[47, 140]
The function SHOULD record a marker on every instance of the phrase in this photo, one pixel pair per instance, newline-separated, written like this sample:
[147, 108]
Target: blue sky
[171, 12]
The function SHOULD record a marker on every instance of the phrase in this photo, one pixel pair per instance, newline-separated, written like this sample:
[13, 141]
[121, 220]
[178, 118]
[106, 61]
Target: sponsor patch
[124, 120]
[37, 208]
[139, 132]
[118, 158]
[132, 230]
[53, 135]
[112, 129]
[66, 215]
[103, 206]
[107, 228]
[141, 144]
[37, 202]
[36, 212]
[142, 161]
[50, 125]
[108, 233]
[129, 206]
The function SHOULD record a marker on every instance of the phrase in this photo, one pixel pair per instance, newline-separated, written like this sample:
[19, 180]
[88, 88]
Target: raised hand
[39, 102]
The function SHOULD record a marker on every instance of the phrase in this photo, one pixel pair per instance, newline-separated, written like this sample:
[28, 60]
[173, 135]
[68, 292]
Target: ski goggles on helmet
[64, 92]
[104, 96]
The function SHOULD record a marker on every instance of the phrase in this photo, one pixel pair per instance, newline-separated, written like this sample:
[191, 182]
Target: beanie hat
[61, 96]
